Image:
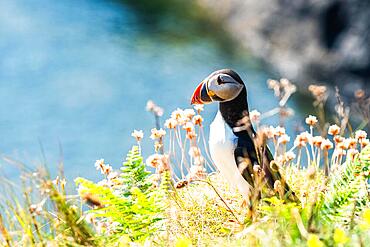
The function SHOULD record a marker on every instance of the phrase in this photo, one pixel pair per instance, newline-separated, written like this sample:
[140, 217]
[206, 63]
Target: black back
[232, 112]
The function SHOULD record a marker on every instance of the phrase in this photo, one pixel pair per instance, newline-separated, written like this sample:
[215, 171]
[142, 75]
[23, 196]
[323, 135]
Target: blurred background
[75, 76]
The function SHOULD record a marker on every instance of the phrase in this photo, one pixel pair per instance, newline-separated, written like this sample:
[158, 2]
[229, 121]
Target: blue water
[79, 73]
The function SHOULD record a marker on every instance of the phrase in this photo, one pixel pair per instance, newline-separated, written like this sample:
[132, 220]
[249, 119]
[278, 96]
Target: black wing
[246, 155]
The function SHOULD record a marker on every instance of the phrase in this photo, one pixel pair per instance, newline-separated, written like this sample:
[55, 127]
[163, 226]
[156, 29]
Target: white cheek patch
[226, 91]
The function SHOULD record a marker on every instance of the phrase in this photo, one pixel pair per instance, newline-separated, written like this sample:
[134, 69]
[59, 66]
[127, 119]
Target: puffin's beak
[197, 95]
[201, 95]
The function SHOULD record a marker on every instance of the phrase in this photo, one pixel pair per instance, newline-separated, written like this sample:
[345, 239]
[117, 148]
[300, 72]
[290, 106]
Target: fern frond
[347, 191]
[131, 206]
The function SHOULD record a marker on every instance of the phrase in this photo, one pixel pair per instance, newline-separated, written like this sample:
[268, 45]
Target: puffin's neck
[234, 110]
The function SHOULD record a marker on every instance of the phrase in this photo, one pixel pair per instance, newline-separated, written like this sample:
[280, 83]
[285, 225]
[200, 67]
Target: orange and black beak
[200, 95]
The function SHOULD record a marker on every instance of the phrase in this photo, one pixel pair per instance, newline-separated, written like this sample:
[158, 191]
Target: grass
[186, 202]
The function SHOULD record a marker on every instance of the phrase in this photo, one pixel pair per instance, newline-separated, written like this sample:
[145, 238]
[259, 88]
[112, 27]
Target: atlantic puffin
[229, 145]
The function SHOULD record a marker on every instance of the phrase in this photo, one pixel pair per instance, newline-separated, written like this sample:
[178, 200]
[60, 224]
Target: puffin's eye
[219, 80]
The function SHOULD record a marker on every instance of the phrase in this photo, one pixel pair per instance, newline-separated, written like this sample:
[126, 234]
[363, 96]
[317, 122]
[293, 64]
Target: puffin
[232, 147]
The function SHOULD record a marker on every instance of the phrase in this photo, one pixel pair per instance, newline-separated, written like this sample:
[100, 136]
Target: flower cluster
[182, 123]
[104, 168]
[282, 88]
[111, 177]
[187, 119]
[158, 161]
[319, 93]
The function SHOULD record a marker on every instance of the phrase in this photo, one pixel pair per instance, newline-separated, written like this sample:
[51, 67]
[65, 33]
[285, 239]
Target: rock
[304, 40]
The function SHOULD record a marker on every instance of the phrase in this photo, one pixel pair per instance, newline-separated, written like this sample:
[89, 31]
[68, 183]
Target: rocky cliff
[304, 40]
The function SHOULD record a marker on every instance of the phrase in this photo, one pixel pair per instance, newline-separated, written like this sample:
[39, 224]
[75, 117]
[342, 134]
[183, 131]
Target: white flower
[199, 108]
[360, 135]
[311, 120]
[164, 165]
[170, 123]
[334, 130]
[154, 160]
[351, 153]
[284, 139]
[189, 126]
[255, 116]
[317, 140]
[326, 144]
[156, 134]
[302, 139]
[364, 142]
[269, 131]
[189, 113]
[338, 139]
[279, 131]
[37, 208]
[104, 168]
[99, 164]
[349, 143]
[112, 175]
[288, 156]
[107, 169]
[191, 135]
[339, 151]
[198, 120]
[56, 181]
[179, 116]
[137, 134]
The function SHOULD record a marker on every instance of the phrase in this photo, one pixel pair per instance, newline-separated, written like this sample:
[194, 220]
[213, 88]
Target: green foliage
[130, 207]
[134, 173]
[71, 223]
[347, 192]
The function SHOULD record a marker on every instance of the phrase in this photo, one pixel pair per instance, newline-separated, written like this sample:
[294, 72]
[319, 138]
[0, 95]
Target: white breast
[222, 143]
